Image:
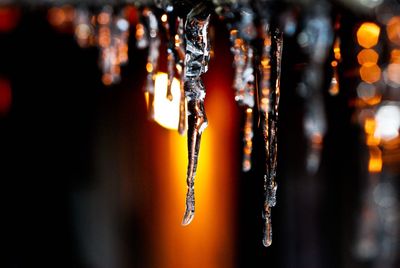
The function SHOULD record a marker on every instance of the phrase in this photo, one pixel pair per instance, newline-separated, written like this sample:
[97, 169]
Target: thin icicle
[196, 63]
[270, 131]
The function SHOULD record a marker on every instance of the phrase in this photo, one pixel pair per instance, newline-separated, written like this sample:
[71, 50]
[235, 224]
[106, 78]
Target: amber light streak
[209, 240]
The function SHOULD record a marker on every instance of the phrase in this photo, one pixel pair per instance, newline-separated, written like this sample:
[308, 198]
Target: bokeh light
[367, 57]
[166, 112]
[370, 73]
[368, 34]
[393, 30]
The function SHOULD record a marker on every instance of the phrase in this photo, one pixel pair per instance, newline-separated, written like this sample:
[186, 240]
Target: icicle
[180, 67]
[248, 102]
[108, 51]
[239, 62]
[270, 131]
[315, 39]
[196, 63]
[152, 58]
[241, 36]
[121, 35]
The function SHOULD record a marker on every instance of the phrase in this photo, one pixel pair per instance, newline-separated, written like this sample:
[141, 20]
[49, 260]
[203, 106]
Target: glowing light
[164, 18]
[336, 49]
[375, 160]
[387, 122]
[393, 30]
[368, 34]
[367, 57]
[370, 73]
[395, 56]
[166, 112]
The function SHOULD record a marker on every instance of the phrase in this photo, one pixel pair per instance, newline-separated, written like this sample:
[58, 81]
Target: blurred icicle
[84, 32]
[108, 51]
[151, 24]
[196, 63]
[270, 133]
[315, 39]
[112, 40]
[242, 33]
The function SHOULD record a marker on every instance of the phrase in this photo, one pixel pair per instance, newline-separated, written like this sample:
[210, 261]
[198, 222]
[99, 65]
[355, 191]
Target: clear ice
[270, 128]
[196, 63]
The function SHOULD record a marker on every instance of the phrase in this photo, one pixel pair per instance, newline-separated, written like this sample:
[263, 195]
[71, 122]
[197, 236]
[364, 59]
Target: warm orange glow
[164, 18]
[336, 49]
[368, 34]
[375, 160]
[149, 67]
[166, 112]
[367, 57]
[370, 73]
[56, 16]
[139, 31]
[317, 138]
[209, 241]
[104, 37]
[369, 128]
[61, 17]
[393, 30]
[395, 56]
[103, 18]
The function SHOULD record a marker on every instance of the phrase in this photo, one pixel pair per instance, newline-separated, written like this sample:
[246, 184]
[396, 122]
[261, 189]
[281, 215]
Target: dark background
[61, 113]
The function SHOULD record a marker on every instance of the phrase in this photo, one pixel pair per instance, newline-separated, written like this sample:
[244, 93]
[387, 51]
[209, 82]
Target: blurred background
[89, 181]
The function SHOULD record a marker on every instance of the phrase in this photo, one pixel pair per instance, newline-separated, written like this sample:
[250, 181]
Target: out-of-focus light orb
[370, 3]
[123, 24]
[166, 112]
[393, 74]
[368, 93]
[395, 56]
[367, 57]
[370, 74]
[368, 34]
[393, 30]
[387, 122]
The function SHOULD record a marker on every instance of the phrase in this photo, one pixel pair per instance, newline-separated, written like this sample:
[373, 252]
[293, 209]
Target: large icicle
[270, 132]
[196, 63]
